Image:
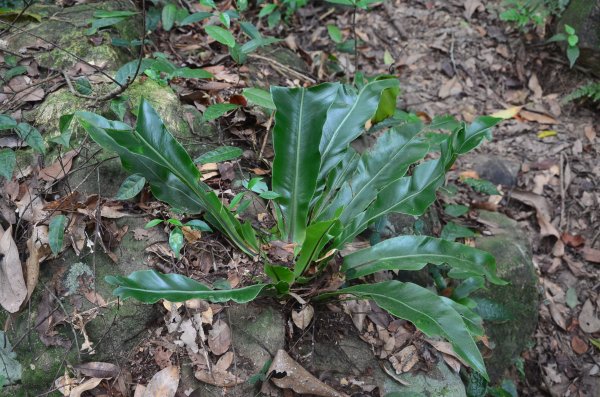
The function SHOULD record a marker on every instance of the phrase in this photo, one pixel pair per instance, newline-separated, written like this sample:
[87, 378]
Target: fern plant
[326, 194]
[590, 91]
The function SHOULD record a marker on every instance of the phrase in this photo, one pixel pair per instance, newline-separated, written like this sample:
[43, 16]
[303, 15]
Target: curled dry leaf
[288, 374]
[164, 383]
[219, 337]
[13, 290]
[224, 362]
[591, 255]
[97, 369]
[540, 118]
[588, 320]
[303, 317]
[357, 310]
[405, 359]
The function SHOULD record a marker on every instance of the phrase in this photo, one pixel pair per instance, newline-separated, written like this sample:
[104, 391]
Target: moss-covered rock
[584, 16]
[511, 310]
[114, 330]
[65, 27]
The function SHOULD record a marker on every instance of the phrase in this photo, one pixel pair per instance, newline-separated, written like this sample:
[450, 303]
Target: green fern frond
[589, 92]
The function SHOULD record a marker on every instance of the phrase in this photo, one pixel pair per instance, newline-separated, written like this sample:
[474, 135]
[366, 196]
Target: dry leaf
[405, 359]
[452, 362]
[188, 336]
[540, 118]
[164, 383]
[450, 88]
[591, 255]
[13, 290]
[357, 310]
[85, 386]
[288, 374]
[219, 337]
[590, 133]
[588, 321]
[217, 378]
[224, 362]
[96, 369]
[535, 87]
[32, 265]
[507, 113]
[471, 6]
[579, 345]
[303, 317]
[573, 240]
[60, 168]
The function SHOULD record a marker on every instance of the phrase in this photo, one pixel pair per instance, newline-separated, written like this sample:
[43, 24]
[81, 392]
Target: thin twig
[284, 68]
[27, 5]
[355, 41]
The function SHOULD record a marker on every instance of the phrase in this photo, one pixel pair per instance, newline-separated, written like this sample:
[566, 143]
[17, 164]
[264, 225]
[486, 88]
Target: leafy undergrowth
[465, 62]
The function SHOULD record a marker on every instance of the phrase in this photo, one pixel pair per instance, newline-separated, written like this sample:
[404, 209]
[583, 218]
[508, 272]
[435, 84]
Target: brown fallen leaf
[288, 374]
[405, 359]
[451, 87]
[303, 317]
[535, 87]
[540, 118]
[588, 320]
[32, 265]
[97, 369]
[218, 378]
[13, 290]
[579, 345]
[164, 383]
[219, 337]
[224, 362]
[591, 255]
[85, 386]
[508, 113]
[60, 168]
[357, 310]
[543, 215]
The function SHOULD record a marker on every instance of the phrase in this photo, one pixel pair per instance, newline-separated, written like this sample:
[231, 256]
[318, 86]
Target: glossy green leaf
[127, 71]
[217, 110]
[16, 71]
[151, 151]
[473, 321]
[414, 252]
[387, 162]
[456, 210]
[82, 85]
[468, 286]
[175, 222]
[267, 10]
[195, 17]
[149, 286]
[410, 195]
[56, 233]
[119, 106]
[225, 19]
[318, 234]
[168, 16]
[279, 273]
[259, 97]
[335, 33]
[427, 311]
[32, 136]
[176, 241]
[268, 195]
[221, 35]
[220, 154]
[346, 119]
[299, 121]
[130, 187]
[7, 122]
[387, 102]
[573, 55]
[452, 231]
[153, 223]
[198, 225]
[8, 161]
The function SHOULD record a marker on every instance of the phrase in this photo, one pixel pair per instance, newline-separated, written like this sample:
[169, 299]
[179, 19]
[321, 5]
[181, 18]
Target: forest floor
[452, 57]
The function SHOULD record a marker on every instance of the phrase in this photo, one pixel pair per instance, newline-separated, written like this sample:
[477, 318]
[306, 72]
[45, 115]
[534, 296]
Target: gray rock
[258, 331]
[348, 356]
[498, 170]
[584, 16]
[514, 306]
